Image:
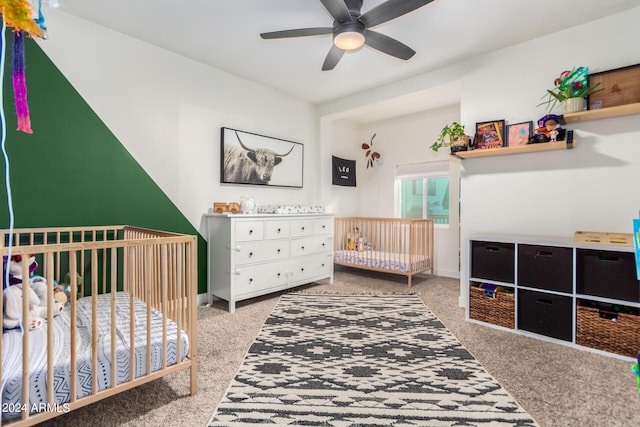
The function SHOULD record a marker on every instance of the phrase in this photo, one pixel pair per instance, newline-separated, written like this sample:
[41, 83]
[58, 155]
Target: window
[423, 195]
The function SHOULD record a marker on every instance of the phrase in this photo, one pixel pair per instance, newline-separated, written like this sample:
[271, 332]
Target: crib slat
[50, 325]
[94, 320]
[114, 290]
[25, 343]
[192, 291]
[73, 288]
[164, 268]
[179, 302]
[148, 297]
[132, 324]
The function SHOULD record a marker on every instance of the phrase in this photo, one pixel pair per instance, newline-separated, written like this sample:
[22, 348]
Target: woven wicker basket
[499, 310]
[620, 337]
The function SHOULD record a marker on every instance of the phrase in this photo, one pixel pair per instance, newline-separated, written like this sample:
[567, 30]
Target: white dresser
[253, 255]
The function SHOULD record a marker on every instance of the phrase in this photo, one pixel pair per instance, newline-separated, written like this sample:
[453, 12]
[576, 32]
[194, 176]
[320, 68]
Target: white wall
[401, 141]
[344, 137]
[167, 111]
[593, 187]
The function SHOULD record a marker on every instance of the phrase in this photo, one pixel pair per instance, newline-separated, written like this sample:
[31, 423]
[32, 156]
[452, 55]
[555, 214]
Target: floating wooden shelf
[518, 149]
[602, 113]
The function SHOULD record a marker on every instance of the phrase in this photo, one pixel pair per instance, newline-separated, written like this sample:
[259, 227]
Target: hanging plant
[372, 156]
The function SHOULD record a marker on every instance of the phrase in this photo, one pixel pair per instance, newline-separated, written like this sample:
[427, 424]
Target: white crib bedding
[12, 352]
[375, 259]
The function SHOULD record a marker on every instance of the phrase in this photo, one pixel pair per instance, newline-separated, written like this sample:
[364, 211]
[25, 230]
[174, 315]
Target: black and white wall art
[250, 158]
[344, 172]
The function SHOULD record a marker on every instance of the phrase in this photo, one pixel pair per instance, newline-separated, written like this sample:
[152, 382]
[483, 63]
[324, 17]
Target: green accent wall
[72, 171]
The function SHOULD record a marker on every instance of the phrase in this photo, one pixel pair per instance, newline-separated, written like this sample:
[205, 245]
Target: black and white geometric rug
[362, 360]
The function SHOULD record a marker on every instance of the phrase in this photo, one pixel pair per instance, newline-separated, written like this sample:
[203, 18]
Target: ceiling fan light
[348, 40]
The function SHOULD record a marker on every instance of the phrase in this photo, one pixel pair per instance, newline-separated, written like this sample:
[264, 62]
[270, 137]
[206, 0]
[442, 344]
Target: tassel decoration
[20, 84]
[18, 14]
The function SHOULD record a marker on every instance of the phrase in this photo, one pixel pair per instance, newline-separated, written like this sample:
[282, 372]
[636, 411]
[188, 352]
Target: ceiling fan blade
[300, 32]
[337, 9]
[334, 55]
[388, 45]
[389, 10]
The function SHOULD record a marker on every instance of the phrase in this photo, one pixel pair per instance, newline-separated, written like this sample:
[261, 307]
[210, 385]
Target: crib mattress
[12, 353]
[376, 259]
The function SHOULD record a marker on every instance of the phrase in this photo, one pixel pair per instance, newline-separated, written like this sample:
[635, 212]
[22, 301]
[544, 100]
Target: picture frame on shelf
[250, 158]
[620, 86]
[490, 134]
[519, 133]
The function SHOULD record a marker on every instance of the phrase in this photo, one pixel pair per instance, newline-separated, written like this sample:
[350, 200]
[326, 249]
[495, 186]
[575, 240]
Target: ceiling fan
[351, 28]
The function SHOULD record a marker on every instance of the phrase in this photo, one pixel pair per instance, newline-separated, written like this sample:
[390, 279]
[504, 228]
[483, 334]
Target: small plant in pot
[452, 135]
[571, 89]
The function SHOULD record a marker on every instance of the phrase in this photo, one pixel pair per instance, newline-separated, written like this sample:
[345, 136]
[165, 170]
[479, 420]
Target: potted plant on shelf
[571, 89]
[452, 135]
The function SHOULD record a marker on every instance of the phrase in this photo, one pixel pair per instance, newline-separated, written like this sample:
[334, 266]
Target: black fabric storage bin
[545, 314]
[493, 261]
[545, 267]
[607, 274]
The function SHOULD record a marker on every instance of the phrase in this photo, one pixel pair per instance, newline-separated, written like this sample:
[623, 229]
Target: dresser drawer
[255, 278]
[276, 230]
[247, 231]
[323, 226]
[310, 245]
[312, 266]
[266, 250]
[301, 227]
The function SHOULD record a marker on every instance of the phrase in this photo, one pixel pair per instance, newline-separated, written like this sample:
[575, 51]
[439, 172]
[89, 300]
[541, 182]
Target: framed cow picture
[250, 158]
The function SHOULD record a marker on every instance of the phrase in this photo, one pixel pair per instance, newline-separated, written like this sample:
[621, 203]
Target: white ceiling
[225, 35]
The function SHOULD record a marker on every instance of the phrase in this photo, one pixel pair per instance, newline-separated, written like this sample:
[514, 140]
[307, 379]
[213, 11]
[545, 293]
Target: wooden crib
[131, 317]
[392, 245]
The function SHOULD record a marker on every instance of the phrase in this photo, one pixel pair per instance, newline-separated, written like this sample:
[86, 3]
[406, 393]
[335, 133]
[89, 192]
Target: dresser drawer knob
[250, 254]
[278, 250]
[250, 232]
[302, 269]
[302, 228]
[279, 230]
[250, 279]
[302, 248]
[278, 275]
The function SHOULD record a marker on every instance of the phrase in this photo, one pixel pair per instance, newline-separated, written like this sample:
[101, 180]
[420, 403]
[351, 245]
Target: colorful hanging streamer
[20, 83]
[18, 14]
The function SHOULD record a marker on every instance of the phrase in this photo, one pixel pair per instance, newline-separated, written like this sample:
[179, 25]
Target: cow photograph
[249, 158]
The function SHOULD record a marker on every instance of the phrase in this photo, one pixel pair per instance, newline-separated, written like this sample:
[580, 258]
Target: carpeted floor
[557, 385]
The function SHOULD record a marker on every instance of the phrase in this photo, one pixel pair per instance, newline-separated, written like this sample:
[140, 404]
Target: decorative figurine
[548, 130]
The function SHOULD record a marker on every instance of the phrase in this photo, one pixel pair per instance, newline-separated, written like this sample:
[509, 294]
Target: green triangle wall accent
[72, 171]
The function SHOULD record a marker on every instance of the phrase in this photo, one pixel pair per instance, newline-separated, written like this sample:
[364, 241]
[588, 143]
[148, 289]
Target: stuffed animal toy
[15, 268]
[12, 304]
[40, 287]
[60, 295]
[37, 288]
[352, 237]
[66, 284]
